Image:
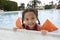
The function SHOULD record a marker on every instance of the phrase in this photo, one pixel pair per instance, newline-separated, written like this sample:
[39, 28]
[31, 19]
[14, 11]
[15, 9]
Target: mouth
[31, 24]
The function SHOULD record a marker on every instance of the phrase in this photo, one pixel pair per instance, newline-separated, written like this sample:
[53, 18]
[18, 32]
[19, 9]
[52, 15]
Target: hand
[44, 32]
[14, 29]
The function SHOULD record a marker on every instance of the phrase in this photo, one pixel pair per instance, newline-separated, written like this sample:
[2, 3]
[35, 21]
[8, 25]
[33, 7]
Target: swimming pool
[8, 19]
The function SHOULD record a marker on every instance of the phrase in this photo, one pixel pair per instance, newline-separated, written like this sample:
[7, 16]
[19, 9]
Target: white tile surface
[26, 35]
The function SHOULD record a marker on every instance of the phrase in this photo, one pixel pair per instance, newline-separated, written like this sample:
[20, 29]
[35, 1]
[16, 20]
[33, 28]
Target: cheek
[26, 22]
[33, 22]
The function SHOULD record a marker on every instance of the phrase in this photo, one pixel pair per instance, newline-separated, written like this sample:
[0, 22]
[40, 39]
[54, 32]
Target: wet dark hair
[30, 10]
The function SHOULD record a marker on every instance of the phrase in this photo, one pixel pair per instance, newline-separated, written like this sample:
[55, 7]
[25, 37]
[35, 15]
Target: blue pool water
[8, 19]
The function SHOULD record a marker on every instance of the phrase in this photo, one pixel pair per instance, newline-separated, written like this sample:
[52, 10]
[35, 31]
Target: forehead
[29, 14]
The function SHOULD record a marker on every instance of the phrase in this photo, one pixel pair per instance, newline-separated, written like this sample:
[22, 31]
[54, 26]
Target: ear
[37, 22]
[23, 22]
[18, 23]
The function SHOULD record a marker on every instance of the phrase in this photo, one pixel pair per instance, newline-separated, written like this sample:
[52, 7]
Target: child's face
[30, 19]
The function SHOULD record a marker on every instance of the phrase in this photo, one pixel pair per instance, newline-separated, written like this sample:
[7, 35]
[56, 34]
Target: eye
[32, 17]
[27, 19]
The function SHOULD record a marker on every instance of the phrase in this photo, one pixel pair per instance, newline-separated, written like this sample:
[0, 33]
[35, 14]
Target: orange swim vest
[46, 26]
[18, 23]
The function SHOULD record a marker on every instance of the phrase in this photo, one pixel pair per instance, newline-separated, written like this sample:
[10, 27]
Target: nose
[30, 21]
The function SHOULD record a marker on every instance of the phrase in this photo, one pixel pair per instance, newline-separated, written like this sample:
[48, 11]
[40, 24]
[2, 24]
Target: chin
[31, 26]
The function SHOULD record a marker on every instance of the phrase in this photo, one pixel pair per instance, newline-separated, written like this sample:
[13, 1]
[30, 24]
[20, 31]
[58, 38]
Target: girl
[30, 20]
